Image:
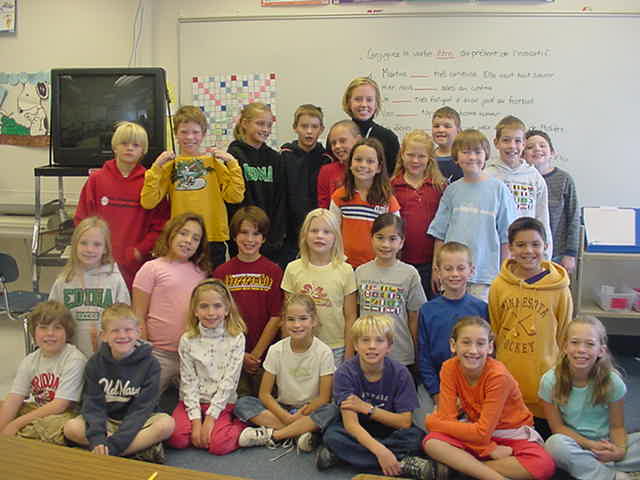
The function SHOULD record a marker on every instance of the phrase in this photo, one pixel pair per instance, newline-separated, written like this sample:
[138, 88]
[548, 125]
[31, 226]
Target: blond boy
[122, 388]
[113, 193]
[376, 396]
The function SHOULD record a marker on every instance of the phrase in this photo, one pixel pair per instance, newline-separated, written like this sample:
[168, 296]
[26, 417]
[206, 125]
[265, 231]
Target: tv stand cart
[44, 252]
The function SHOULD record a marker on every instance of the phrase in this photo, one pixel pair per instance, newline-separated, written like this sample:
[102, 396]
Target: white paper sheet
[610, 226]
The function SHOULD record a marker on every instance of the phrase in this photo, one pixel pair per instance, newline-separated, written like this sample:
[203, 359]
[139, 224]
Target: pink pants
[224, 436]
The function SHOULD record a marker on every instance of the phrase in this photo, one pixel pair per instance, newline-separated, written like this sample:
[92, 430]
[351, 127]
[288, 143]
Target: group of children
[397, 247]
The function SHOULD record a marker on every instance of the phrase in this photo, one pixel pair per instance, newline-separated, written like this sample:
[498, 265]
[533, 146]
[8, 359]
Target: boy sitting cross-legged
[122, 387]
[376, 396]
[49, 381]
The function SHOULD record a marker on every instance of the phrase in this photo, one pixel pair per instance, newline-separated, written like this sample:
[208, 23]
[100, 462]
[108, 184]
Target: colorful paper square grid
[222, 97]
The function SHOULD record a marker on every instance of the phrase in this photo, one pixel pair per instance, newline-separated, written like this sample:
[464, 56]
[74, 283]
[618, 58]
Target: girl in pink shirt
[162, 288]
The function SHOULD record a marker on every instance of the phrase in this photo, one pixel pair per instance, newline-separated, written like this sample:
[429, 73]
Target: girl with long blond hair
[418, 184]
[90, 281]
[583, 398]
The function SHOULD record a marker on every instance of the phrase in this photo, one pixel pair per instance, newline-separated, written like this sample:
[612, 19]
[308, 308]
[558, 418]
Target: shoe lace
[287, 445]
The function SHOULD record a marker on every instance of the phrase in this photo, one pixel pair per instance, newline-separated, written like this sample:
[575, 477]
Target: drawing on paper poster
[221, 98]
[8, 16]
[24, 109]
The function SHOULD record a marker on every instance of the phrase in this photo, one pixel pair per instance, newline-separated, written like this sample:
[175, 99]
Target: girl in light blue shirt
[583, 399]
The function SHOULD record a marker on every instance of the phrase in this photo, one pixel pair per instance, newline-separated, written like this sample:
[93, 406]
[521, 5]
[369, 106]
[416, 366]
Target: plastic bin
[613, 301]
[636, 302]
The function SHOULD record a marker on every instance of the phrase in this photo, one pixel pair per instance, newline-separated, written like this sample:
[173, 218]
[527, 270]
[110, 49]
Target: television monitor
[87, 103]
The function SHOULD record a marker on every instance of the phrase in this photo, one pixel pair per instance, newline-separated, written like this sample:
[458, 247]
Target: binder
[618, 231]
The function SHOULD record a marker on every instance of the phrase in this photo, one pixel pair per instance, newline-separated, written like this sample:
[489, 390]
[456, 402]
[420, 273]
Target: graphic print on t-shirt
[381, 298]
[238, 282]
[318, 294]
[190, 175]
[43, 387]
[524, 195]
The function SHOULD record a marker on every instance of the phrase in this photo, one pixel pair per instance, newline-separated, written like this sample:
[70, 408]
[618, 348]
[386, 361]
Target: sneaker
[255, 437]
[307, 442]
[418, 468]
[154, 454]
[286, 445]
[325, 458]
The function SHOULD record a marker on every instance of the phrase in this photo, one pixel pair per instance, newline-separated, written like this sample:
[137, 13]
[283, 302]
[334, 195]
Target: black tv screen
[87, 103]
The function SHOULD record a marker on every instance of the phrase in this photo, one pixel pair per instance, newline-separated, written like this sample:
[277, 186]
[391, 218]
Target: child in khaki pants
[48, 382]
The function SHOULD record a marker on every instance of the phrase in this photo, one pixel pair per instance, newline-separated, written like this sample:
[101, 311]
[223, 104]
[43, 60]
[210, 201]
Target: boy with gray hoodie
[526, 184]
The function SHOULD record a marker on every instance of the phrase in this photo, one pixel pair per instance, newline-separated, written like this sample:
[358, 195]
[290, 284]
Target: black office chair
[17, 304]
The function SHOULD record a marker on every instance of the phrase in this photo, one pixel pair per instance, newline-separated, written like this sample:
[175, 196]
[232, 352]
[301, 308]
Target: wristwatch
[371, 410]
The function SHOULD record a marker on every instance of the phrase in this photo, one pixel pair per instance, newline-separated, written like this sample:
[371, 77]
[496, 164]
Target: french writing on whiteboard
[483, 85]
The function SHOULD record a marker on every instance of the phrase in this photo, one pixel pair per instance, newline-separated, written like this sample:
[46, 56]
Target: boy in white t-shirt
[48, 382]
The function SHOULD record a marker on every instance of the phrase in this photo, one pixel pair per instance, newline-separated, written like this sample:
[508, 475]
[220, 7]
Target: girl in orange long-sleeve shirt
[496, 440]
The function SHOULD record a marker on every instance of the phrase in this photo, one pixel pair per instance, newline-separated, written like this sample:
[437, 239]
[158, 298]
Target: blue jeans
[583, 464]
[249, 407]
[403, 443]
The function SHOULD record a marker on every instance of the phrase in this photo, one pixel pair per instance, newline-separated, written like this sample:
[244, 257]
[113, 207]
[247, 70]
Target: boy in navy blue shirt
[437, 317]
[376, 396]
[121, 392]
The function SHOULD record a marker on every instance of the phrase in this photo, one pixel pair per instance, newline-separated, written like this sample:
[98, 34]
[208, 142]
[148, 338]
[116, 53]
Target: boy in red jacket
[113, 193]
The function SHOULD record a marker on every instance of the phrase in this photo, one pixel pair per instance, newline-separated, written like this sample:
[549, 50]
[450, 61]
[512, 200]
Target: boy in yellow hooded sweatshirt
[530, 308]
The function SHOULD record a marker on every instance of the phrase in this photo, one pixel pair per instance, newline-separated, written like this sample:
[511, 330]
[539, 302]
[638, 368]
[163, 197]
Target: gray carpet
[253, 463]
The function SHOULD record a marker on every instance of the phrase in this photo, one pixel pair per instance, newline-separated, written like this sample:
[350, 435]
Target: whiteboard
[576, 77]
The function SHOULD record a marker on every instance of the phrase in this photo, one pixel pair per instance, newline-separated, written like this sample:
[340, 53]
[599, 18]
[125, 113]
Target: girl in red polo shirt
[417, 184]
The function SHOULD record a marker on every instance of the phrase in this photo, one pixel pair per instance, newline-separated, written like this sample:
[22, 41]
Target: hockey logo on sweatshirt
[520, 335]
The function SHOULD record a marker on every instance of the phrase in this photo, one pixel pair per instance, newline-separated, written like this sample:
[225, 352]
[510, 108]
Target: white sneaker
[307, 442]
[255, 437]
